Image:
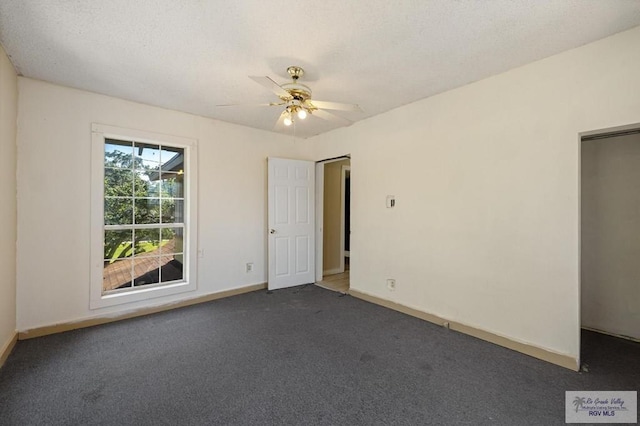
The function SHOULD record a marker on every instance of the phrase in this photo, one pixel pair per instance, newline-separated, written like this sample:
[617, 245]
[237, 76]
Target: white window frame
[100, 132]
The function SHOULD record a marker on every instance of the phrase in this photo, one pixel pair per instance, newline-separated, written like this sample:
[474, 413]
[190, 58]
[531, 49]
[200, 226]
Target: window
[143, 235]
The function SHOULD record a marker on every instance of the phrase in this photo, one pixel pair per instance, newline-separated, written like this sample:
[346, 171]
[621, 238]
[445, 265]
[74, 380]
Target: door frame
[581, 136]
[320, 214]
[343, 206]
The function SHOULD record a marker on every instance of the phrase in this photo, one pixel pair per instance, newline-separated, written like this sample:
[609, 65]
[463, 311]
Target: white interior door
[291, 206]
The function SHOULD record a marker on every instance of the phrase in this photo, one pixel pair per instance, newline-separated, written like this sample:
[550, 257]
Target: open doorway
[333, 180]
[609, 238]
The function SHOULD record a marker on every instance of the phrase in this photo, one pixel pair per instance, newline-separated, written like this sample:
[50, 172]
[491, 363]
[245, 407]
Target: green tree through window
[143, 214]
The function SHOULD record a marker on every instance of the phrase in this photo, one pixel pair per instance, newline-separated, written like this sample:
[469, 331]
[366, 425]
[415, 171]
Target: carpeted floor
[296, 356]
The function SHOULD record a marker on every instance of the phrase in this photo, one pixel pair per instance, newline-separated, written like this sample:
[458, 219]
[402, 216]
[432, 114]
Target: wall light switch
[391, 201]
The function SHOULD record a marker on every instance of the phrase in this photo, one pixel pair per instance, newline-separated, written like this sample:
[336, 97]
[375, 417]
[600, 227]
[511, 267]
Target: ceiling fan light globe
[302, 114]
[288, 121]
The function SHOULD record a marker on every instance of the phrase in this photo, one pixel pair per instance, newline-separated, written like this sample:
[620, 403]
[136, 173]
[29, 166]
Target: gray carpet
[297, 356]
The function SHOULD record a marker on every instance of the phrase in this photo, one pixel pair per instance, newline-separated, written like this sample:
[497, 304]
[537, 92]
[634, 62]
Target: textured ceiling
[192, 55]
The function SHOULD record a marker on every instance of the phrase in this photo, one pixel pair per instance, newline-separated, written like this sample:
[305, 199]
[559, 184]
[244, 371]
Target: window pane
[117, 275]
[172, 264]
[172, 159]
[146, 271]
[172, 185]
[147, 184]
[171, 268]
[143, 186]
[117, 245]
[172, 211]
[147, 210]
[172, 240]
[147, 242]
[147, 156]
[118, 153]
[118, 182]
[118, 211]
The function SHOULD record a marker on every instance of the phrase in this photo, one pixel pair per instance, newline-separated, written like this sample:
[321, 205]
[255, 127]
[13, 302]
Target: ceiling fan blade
[330, 117]
[335, 105]
[251, 105]
[271, 85]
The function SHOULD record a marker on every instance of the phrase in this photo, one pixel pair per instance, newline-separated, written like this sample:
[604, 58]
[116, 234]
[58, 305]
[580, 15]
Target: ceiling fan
[296, 99]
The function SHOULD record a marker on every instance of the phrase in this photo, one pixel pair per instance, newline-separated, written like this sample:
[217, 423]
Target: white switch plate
[391, 201]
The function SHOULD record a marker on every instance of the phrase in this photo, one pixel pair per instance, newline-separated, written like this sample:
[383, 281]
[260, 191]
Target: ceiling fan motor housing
[297, 91]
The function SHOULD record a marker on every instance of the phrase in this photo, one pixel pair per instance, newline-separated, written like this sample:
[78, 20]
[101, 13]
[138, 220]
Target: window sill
[103, 301]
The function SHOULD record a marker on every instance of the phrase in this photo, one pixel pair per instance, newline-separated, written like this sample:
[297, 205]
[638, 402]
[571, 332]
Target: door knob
[272, 231]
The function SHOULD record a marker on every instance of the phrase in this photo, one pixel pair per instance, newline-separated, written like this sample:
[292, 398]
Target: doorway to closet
[333, 207]
[610, 233]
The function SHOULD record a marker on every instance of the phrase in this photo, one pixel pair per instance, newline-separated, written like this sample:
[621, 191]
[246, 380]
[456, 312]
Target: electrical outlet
[249, 267]
[391, 284]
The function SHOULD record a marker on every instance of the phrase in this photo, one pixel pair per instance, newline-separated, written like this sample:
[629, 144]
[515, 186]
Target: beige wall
[611, 235]
[8, 112]
[332, 216]
[54, 138]
[485, 230]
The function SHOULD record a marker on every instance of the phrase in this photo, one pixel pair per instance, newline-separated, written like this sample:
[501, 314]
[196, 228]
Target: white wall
[611, 235]
[486, 177]
[8, 112]
[54, 137]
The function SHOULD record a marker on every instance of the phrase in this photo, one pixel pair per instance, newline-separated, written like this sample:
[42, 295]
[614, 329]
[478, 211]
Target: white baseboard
[89, 322]
[332, 271]
[608, 333]
[563, 360]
